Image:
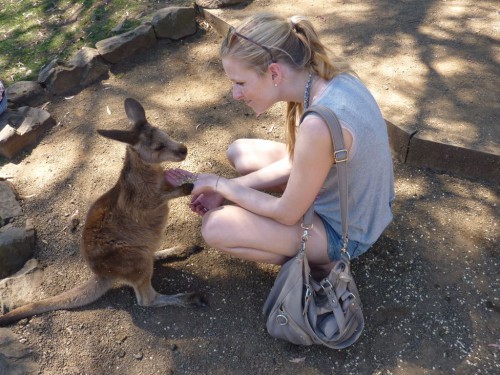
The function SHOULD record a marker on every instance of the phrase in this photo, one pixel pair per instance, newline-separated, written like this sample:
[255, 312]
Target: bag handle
[341, 156]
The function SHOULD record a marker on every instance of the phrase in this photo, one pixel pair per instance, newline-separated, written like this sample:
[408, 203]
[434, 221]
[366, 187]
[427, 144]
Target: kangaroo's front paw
[187, 188]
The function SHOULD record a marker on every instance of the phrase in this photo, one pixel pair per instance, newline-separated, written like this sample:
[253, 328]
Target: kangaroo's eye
[159, 147]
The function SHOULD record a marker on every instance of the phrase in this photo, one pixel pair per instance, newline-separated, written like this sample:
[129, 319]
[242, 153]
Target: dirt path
[430, 285]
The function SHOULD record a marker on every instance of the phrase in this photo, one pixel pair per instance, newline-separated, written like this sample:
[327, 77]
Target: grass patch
[33, 33]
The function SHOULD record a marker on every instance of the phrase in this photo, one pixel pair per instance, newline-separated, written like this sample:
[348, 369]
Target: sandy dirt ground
[430, 285]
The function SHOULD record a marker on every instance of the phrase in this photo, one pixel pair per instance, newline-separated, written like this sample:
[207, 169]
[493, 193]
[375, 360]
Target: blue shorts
[354, 248]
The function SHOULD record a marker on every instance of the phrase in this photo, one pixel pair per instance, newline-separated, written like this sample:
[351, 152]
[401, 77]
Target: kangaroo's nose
[182, 150]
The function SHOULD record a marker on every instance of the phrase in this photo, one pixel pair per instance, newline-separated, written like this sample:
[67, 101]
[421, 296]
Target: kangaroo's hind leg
[147, 296]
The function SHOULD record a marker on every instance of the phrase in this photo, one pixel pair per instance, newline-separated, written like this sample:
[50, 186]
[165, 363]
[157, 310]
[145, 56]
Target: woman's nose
[237, 94]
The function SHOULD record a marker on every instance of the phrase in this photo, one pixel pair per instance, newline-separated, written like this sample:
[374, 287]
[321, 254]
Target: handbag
[305, 311]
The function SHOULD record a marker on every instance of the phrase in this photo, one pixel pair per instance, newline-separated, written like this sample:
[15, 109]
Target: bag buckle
[341, 156]
[326, 284]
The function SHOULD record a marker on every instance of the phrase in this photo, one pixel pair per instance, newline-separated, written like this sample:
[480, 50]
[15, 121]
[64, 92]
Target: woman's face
[254, 89]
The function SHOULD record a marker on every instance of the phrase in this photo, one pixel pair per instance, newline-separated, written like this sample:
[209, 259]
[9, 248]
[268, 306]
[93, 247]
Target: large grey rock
[174, 22]
[119, 47]
[15, 358]
[9, 206]
[21, 128]
[48, 70]
[94, 67]
[22, 287]
[84, 68]
[214, 4]
[26, 93]
[16, 248]
[60, 78]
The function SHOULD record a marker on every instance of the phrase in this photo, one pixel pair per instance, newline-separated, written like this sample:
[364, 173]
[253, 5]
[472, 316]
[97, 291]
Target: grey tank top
[370, 168]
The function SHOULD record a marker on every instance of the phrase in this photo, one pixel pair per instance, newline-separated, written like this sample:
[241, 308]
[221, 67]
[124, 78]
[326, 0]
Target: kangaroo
[123, 227]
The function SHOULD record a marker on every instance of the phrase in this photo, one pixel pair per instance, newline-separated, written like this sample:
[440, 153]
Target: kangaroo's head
[152, 144]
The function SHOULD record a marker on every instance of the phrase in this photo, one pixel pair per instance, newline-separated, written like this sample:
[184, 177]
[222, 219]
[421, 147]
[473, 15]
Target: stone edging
[21, 125]
[415, 150]
[90, 65]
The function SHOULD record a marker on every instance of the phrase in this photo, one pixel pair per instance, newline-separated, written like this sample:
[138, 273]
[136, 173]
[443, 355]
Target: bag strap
[341, 156]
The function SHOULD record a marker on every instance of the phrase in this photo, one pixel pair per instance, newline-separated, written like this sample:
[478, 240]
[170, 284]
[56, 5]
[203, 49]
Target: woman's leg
[248, 236]
[252, 237]
[248, 155]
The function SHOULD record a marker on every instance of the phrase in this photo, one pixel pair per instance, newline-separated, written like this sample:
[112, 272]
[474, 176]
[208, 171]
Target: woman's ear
[276, 73]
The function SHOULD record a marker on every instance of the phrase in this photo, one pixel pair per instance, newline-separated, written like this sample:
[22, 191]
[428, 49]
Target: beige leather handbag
[302, 310]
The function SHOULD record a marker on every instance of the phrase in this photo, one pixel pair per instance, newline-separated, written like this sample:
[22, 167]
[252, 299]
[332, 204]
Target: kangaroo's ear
[130, 137]
[135, 112]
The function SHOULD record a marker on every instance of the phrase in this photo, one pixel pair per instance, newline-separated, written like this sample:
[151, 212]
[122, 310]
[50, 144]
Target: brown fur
[124, 227]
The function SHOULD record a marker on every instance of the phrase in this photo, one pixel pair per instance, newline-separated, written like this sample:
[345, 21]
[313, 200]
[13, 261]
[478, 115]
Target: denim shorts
[354, 248]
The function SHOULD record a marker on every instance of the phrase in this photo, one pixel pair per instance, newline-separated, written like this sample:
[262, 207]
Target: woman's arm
[312, 162]
[272, 175]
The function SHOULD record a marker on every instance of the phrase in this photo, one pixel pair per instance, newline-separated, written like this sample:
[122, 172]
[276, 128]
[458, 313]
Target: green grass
[33, 33]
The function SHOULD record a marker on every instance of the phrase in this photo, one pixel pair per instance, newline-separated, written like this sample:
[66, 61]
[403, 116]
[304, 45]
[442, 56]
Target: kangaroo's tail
[79, 296]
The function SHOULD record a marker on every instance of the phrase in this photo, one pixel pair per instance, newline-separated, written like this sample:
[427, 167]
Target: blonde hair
[292, 41]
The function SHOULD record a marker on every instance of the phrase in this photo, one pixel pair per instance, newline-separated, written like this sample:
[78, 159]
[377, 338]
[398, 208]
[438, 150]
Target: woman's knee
[234, 153]
[214, 229]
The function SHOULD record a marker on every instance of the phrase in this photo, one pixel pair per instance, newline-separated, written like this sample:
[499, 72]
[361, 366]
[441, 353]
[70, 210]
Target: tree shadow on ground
[455, 52]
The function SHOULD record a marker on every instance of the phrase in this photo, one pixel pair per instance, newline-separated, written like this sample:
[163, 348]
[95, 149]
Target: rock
[9, 206]
[48, 70]
[14, 356]
[84, 68]
[214, 4]
[89, 65]
[93, 65]
[139, 356]
[119, 47]
[26, 93]
[22, 287]
[16, 248]
[74, 221]
[174, 22]
[21, 128]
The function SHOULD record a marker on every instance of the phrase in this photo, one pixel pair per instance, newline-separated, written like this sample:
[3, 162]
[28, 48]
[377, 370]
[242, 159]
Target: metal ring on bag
[281, 319]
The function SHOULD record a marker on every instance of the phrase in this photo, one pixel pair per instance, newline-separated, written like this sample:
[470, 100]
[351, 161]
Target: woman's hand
[204, 202]
[204, 195]
[177, 177]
